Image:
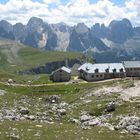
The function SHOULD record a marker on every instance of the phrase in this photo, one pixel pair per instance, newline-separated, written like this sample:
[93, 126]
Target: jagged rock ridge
[99, 39]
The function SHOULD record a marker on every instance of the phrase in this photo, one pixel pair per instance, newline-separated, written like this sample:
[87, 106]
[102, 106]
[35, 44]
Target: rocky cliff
[98, 39]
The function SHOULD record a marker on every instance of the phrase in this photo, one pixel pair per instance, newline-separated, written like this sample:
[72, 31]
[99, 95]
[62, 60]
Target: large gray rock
[92, 122]
[24, 111]
[85, 117]
[53, 99]
[61, 111]
[111, 107]
[73, 120]
[130, 123]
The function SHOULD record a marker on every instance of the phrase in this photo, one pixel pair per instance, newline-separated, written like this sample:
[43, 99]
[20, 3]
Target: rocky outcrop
[120, 31]
[121, 38]
[130, 124]
[82, 39]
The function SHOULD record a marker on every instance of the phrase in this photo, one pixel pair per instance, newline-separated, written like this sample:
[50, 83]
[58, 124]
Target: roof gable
[64, 69]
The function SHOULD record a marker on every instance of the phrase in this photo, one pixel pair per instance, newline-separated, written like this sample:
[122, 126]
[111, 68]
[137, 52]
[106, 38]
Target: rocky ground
[112, 107]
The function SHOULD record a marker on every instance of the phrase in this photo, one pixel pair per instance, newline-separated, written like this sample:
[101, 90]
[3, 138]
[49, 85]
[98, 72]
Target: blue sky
[65, 1]
[71, 11]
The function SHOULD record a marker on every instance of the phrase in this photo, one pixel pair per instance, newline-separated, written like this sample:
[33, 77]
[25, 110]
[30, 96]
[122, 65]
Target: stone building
[132, 68]
[101, 71]
[62, 74]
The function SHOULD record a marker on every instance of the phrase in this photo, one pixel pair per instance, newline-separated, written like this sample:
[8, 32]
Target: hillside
[130, 50]
[15, 57]
[103, 111]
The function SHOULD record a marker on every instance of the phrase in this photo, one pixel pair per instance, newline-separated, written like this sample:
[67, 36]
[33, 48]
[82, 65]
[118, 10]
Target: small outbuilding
[62, 74]
[132, 68]
[101, 71]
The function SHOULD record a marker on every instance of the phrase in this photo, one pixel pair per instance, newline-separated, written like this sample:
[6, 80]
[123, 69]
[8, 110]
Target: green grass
[3, 59]
[31, 56]
[28, 58]
[63, 129]
[68, 131]
[70, 93]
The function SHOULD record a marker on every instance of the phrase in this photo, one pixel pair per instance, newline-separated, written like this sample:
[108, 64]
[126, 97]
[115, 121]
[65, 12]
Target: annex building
[62, 74]
[132, 68]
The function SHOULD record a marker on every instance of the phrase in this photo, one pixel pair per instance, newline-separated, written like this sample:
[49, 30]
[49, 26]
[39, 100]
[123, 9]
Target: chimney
[66, 63]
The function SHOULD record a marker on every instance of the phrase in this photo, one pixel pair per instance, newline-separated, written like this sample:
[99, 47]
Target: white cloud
[73, 12]
[51, 1]
[133, 12]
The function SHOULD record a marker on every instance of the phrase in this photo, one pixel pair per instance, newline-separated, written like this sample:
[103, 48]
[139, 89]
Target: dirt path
[60, 83]
[125, 94]
[131, 91]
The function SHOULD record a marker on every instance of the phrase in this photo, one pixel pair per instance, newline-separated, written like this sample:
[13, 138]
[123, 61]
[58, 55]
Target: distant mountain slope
[39, 34]
[14, 56]
[9, 51]
[98, 39]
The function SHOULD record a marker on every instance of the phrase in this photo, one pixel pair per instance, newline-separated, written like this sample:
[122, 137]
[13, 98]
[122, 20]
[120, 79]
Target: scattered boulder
[87, 121]
[14, 137]
[73, 120]
[24, 111]
[111, 107]
[29, 82]
[85, 117]
[14, 134]
[61, 111]
[2, 92]
[92, 122]
[130, 124]
[108, 125]
[63, 105]
[10, 81]
[53, 99]
[31, 117]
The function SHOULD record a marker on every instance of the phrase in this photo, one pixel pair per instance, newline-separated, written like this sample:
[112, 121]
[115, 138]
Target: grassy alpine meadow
[15, 57]
[43, 110]
[12, 98]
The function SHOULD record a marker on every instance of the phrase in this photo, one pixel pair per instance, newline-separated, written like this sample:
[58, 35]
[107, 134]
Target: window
[114, 70]
[97, 76]
[96, 70]
[87, 69]
[101, 76]
[121, 70]
[107, 70]
[60, 70]
[92, 76]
